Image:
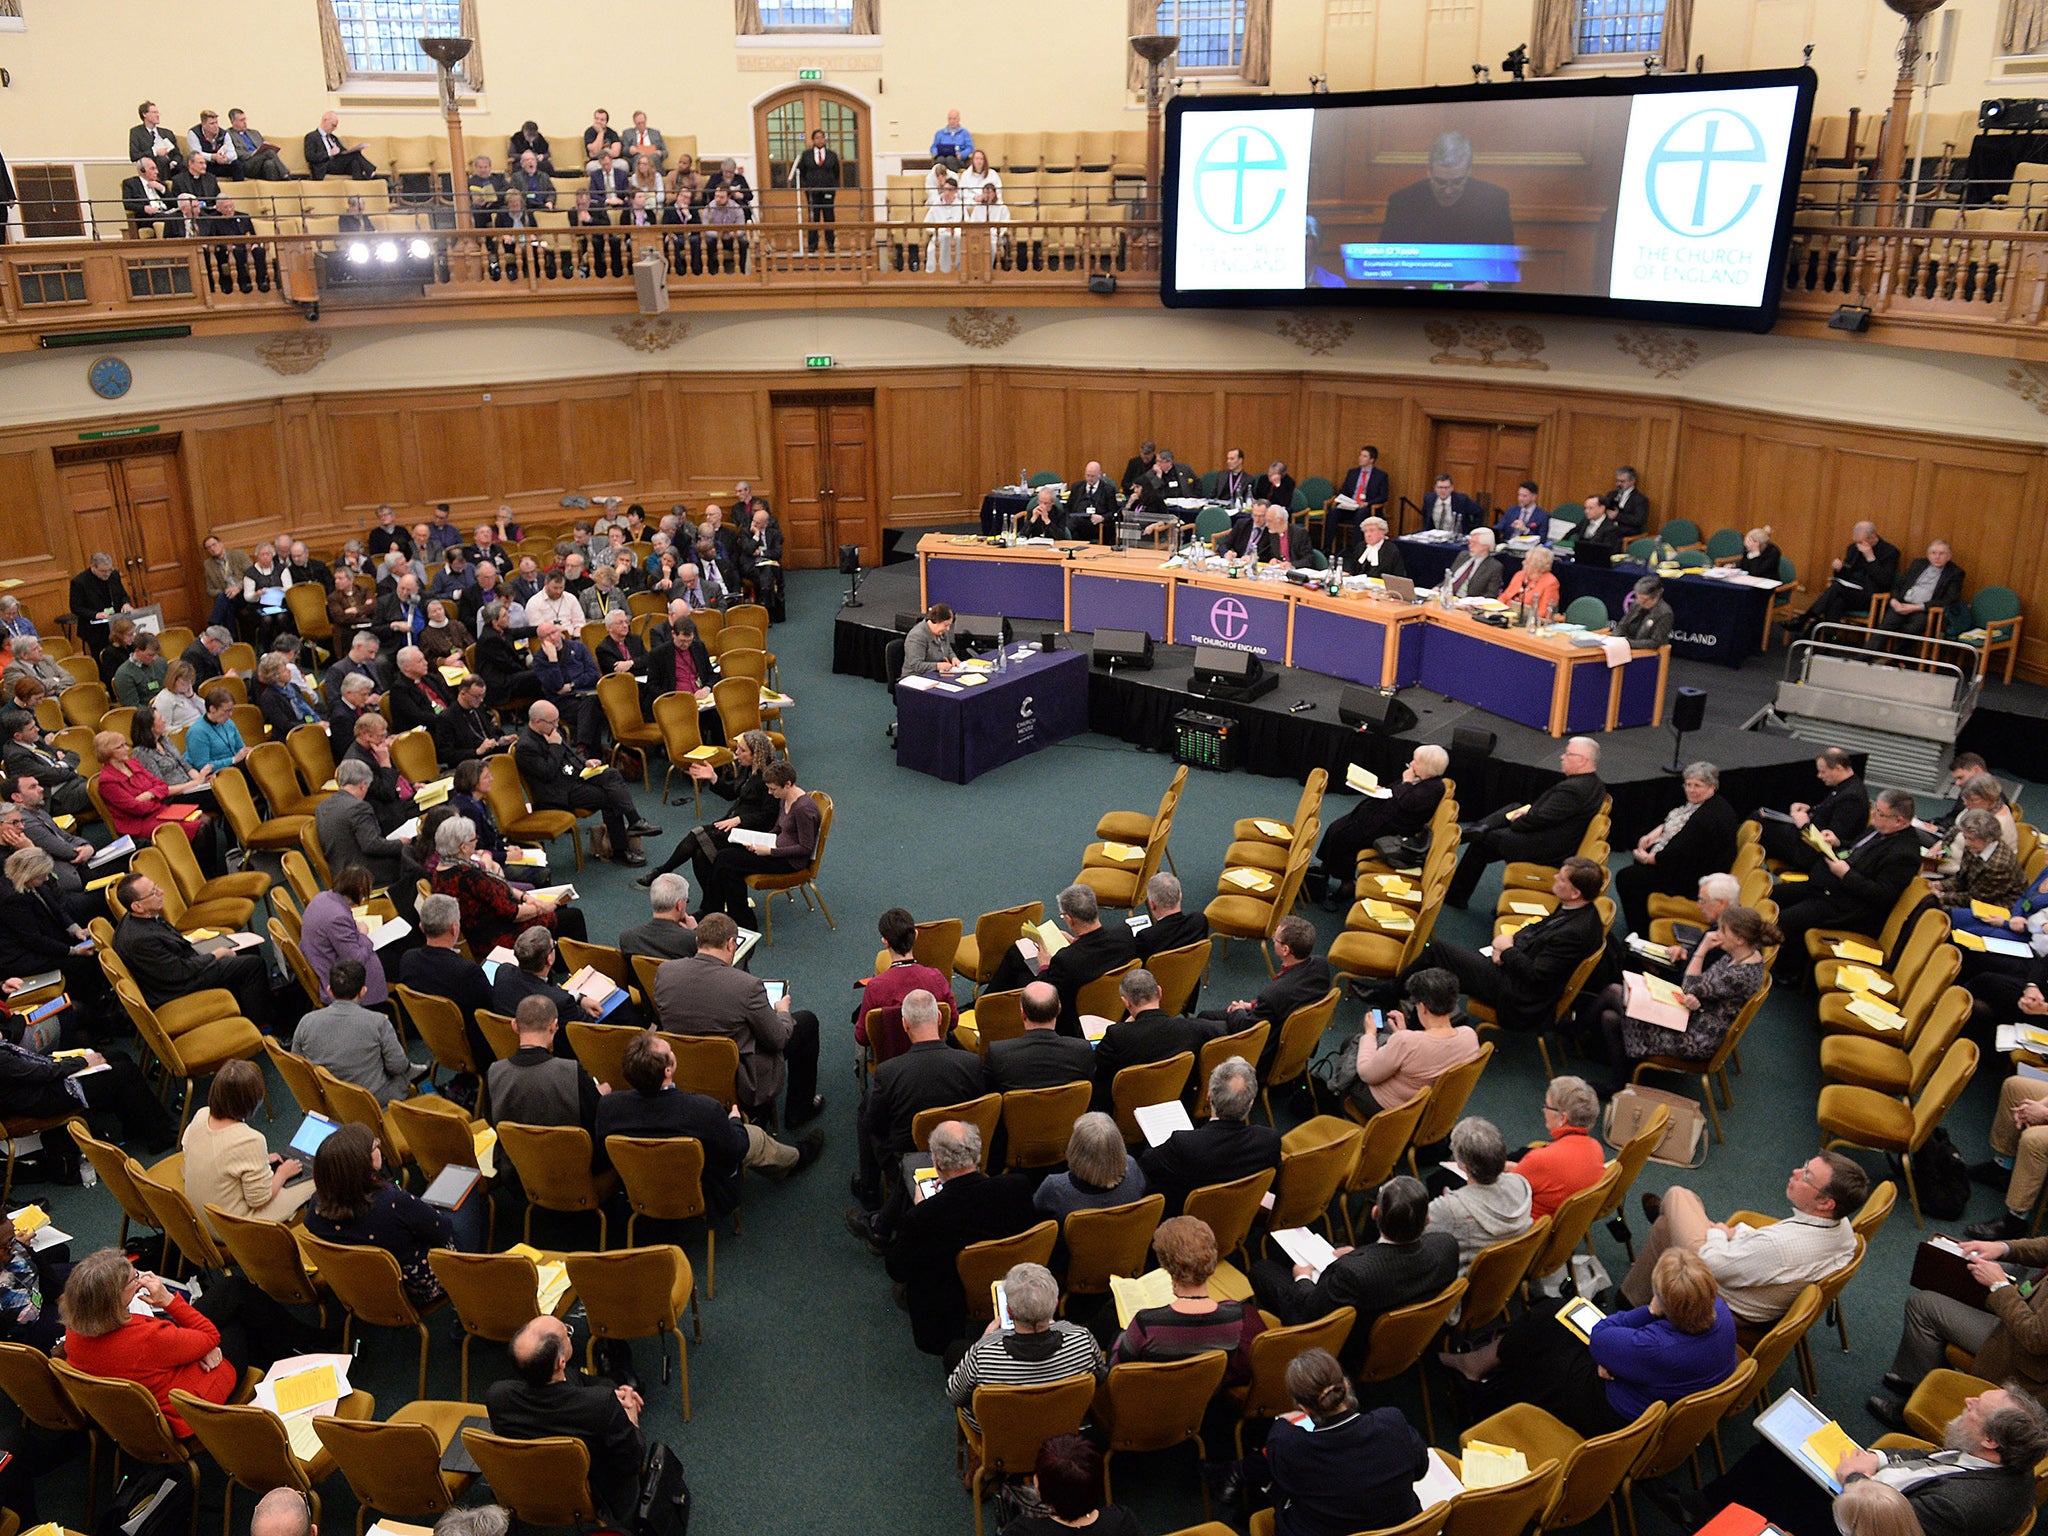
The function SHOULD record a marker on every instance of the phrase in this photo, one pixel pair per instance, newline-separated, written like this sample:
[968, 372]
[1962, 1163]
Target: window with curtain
[2023, 30]
[1211, 32]
[382, 37]
[1619, 26]
[806, 16]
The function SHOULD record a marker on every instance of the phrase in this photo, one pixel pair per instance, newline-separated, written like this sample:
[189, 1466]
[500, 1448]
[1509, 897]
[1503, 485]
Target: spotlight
[387, 250]
[420, 249]
[310, 308]
[359, 252]
[1319, 85]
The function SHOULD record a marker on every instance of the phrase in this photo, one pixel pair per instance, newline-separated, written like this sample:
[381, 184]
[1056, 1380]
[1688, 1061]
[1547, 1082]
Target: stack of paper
[1307, 1247]
[119, 848]
[1396, 888]
[1862, 954]
[1653, 1000]
[1528, 908]
[1855, 978]
[760, 842]
[1389, 916]
[1438, 1484]
[1826, 1447]
[1488, 1466]
[524, 858]
[1123, 853]
[551, 893]
[430, 794]
[32, 1226]
[1273, 829]
[1248, 879]
[486, 1143]
[1093, 1027]
[1159, 1121]
[300, 1390]
[1876, 1014]
[2021, 1037]
[701, 754]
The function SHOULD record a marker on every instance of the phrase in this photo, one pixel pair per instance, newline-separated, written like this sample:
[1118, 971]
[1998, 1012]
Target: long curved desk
[1534, 679]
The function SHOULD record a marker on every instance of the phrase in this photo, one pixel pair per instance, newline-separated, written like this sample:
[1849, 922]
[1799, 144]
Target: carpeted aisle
[811, 1410]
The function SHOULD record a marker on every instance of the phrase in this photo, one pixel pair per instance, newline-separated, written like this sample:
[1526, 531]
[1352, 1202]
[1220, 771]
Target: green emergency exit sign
[818, 360]
[810, 74]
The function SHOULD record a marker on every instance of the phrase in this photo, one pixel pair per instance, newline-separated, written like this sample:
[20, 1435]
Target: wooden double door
[825, 474]
[128, 501]
[1485, 459]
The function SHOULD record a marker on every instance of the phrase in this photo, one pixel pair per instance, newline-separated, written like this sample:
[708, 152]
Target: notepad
[1856, 979]
[1361, 779]
[301, 1436]
[1152, 1289]
[1964, 939]
[1093, 1027]
[1488, 1466]
[303, 1389]
[1248, 879]
[1862, 954]
[1653, 1000]
[972, 680]
[1828, 1445]
[1986, 912]
[1272, 828]
[1875, 1014]
[432, 793]
[29, 1220]
[525, 857]
[119, 848]
[701, 754]
[1123, 853]
[1529, 908]
[552, 893]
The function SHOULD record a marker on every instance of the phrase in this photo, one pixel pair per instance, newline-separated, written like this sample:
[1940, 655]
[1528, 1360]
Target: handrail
[1871, 646]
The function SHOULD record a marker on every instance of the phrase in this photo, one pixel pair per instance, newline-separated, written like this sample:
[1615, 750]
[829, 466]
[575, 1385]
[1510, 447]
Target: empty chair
[394, 1467]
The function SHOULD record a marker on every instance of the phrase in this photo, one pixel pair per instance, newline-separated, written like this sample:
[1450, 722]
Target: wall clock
[110, 378]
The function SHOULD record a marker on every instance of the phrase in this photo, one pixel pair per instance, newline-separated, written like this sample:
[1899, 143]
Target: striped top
[1161, 1333]
[1024, 1360]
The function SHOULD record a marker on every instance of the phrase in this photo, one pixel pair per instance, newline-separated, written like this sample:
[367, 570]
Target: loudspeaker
[1225, 665]
[981, 630]
[1374, 710]
[1102, 282]
[849, 559]
[1128, 648]
[906, 622]
[1689, 710]
[1849, 317]
[650, 282]
[1471, 747]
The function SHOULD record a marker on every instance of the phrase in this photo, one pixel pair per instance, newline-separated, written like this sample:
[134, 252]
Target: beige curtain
[333, 53]
[1677, 49]
[1257, 68]
[867, 18]
[473, 66]
[747, 18]
[2025, 29]
[1143, 21]
[1551, 35]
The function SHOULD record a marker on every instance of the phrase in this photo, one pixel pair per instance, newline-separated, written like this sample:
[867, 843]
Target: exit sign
[818, 360]
[810, 74]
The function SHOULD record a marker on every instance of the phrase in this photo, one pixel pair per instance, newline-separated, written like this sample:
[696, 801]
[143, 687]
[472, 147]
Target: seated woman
[1571, 1158]
[445, 638]
[1336, 1469]
[1492, 1205]
[1194, 1320]
[150, 735]
[1982, 792]
[119, 647]
[353, 1202]
[1648, 623]
[1724, 973]
[1987, 871]
[226, 1160]
[215, 742]
[796, 834]
[470, 797]
[604, 594]
[1998, 983]
[753, 808]
[41, 929]
[1867, 1507]
[139, 802]
[329, 933]
[1535, 585]
[177, 705]
[183, 1348]
[285, 708]
[1405, 813]
[1682, 1342]
[1039, 1346]
[30, 1285]
[1760, 556]
[1695, 839]
[1067, 1484]
[1100, 1171]
[1421, 1045]
[492, 912]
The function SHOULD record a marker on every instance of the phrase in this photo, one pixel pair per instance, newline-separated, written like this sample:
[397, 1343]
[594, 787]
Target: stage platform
[1756, 768]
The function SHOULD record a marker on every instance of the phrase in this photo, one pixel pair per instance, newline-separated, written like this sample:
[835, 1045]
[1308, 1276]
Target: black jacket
[32, 1086]
[1705, 845]
[34, 935]
[970, 1208]
[419, 703]
[1877, 573]
[460, 733]
[164, 961]
[1549, 831]
[584, 1407]
[1404, 813]
[90, 596]
[676, 1112]
[1214, 1152]
[1081, 962]
[1878, 871]
[1390, 561]
[451, 974]
[928, 1075]
[497, 663]
[1295, 987]
[1948, 586]
[1374, 1278]
[1535, 968]
[1103, 501]
[610, 653]
[1039, 1058]
[548, 767]
[1843, 810]
[1154, 1035]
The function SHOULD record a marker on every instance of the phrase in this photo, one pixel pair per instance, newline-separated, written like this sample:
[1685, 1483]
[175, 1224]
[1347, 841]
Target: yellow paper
[201, 935]
[1862, 954]
[1134, 1296]
[1248, 879]
[1967, 940]
[454, 675]
[592, 771]
[103, 882]
[427, 796]
[1529, 908]
[1272, 828]
[486, 1145]
[1876, 1015]
[554, 1285]
[1856, 979]
[1489, 1466]
[1397, 888]
[526, 1251]
[1790, 877]
[1362, 779]
[1830, 1443]
[1123, 853]
[29, 1220]
[303, 1389]
[1662, 991]
[330, 786]
[972, 679]
[700, 754]
[66, 823]
[303, 1438]
[1986, 912]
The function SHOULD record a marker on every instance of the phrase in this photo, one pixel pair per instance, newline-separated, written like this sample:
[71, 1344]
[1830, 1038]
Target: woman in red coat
[103, 1338]
[137, 799]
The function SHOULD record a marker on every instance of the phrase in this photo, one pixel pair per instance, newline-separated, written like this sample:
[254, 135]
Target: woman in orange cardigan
[1534, 584]
[103, 1338]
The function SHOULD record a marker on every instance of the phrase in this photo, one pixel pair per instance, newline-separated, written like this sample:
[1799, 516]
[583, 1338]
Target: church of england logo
[1240, 180]
[1694, 181]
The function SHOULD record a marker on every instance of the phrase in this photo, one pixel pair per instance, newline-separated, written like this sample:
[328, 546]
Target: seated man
[568, 680]
[22, 809]
[1933, 585]
[1224, 1147]
[141, 677]
[549, 1396]
[1981, 1481]
[1041, 1057]
[1839, 815]
[706, 995]
[1146, 1033]
[1164, 925]
[1524, 979]
[1406, 811]
[931, 1074]
[327, 156]
[536, 1086]
[1867, 567]
[531, 975]
[1045, 518]
[1449, 510]
[1409, 1263]
[24, 753]
[31, 660]
[654, 1106]
[439, 967]
[1572, 1158]
[468, 730]
[1476, 573]
[903, 975]
[670, 933]
[1303, 978]
[1857, 888]
[147, 196]
[557, 777]
[1760, 1269]
[1601, 529]
[166, 964]
[1526, 519]
[1092, 948]
[360, 660]
[969, 1206]
[1545, 831]
[357, 1044]
[418, 697]
[348, 827]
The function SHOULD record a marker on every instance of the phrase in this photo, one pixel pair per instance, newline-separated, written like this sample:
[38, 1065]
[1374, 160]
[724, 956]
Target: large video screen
[1660, 197]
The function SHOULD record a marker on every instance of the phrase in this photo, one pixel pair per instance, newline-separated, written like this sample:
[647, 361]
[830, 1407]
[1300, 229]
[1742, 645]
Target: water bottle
[1024, 478]
[1002, 649]
[88, 1175]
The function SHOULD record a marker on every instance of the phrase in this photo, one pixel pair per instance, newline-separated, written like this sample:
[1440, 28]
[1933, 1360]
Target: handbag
[664, 1507]
[1401, 852]
[1684, 1144]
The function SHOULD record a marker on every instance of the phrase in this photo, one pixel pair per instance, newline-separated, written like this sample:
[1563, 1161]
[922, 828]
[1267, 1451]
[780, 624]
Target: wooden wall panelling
[1777, 470]
[366, 444]
[34, 536]
[237, 481]
[1265, 421]
[529, 444]
[1581, 456]
[309, 493]
[716, 434]
[603, 429]
[453, 454]
[927, 470]
[1037, 432]
[1103, 424]
[1186, 420]
[1888, 488]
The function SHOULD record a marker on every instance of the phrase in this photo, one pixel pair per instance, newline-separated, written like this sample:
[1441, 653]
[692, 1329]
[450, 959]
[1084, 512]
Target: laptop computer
[313, 1130]
[1399, 586]
[1597, 557]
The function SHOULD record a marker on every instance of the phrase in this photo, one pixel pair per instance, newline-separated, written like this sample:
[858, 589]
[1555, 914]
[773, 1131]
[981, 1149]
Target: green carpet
[808, 1399]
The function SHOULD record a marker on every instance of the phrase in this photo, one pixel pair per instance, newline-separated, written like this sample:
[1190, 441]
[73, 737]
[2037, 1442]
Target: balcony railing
[57, 286]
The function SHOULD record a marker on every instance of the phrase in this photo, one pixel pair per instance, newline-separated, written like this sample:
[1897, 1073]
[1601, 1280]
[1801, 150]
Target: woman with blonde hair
[1535, 585]
[227, 1162]
[177, 704]
[1870, 1508]
[1760, 556]
[182, 1348]
[1100, 1171]
[646, 178]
